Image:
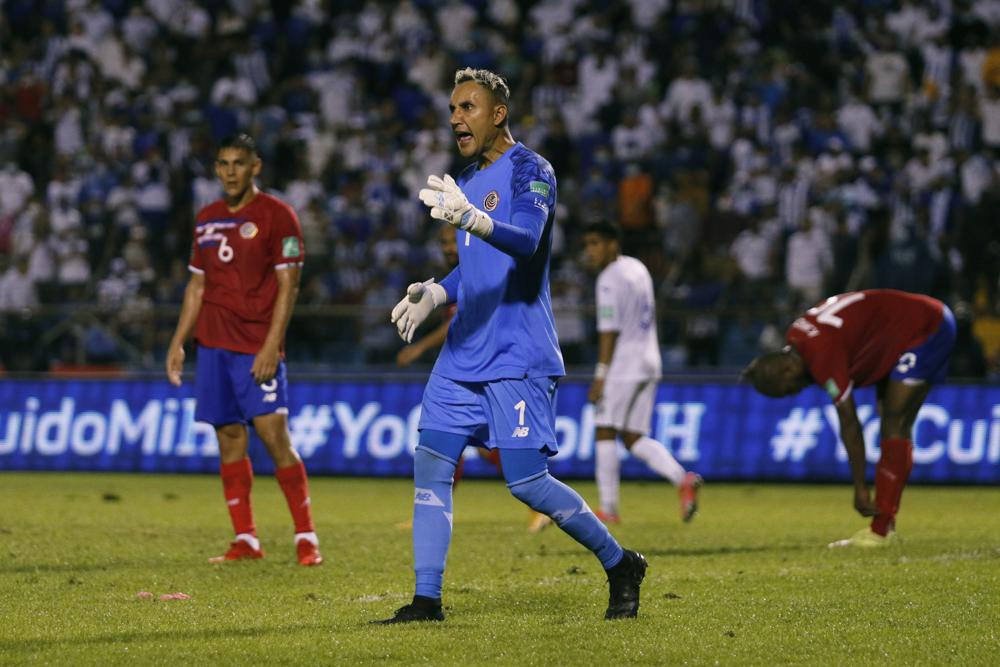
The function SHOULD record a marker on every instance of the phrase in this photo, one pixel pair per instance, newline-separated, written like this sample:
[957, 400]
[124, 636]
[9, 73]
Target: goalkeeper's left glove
[449, 203]
[420, 301]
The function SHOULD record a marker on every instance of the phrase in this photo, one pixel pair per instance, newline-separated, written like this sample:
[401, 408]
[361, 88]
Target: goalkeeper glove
[449, 203]
[420, 301]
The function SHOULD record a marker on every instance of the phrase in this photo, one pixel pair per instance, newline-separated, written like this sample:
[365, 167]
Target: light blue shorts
[509, 414]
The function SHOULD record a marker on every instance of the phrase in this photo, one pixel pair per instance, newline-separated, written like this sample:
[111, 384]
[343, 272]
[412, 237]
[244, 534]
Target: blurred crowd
[758, 154]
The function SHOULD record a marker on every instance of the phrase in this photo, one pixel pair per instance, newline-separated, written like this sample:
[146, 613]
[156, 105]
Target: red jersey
[238, 253]
[854, 339]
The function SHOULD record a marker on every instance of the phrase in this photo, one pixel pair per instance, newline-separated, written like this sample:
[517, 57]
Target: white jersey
[625, 304]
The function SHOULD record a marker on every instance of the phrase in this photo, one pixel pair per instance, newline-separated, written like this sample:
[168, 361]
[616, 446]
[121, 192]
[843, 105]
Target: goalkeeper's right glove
[420, 301]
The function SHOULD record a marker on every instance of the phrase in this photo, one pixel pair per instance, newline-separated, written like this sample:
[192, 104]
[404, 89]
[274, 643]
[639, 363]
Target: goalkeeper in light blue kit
[494, 383]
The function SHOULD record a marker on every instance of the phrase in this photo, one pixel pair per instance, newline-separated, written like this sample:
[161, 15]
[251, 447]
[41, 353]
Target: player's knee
[629, 439]
[230, 432]
[605, 433]
[533, 492]
[272, 428]
[430, 467]
[895, 425]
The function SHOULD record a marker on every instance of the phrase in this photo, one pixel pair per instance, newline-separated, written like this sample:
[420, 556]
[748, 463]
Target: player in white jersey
[627, 373]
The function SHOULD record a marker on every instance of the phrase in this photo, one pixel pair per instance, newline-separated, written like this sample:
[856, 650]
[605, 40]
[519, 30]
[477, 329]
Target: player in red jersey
[245, 264]
[899, 342]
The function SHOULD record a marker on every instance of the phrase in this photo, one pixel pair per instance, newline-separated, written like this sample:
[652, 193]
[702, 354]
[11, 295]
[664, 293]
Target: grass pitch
[749, 581]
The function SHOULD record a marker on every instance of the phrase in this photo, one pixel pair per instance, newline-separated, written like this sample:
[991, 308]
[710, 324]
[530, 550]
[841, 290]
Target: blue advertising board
[368, 427]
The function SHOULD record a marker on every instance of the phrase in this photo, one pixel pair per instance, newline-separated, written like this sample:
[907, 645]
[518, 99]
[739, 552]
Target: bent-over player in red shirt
[899, 342]
[245, 264]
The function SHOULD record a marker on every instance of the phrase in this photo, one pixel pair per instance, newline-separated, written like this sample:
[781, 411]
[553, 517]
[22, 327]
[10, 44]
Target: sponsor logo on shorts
[248, 230]
[270, 398]
[906, 362]
[520, 432]
[491, 200]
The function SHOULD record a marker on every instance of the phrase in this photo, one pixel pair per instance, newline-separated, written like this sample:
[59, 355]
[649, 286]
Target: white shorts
[627, 406]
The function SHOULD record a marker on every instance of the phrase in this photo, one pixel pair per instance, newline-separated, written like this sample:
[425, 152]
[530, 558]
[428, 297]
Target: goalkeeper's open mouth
[463, 138]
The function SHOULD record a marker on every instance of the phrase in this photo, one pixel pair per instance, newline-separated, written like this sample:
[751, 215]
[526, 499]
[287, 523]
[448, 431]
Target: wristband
[601, 371]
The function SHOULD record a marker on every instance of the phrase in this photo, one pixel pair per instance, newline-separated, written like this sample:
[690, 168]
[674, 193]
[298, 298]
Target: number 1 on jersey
[519, 406]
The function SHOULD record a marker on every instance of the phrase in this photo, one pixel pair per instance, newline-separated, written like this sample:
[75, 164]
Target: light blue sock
[544, 493]
[433, 473]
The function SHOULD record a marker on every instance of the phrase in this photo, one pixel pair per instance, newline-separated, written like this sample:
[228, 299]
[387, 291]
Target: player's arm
[608, 327]
[193, 294]
[519, 238]
[431, 341]
[605, 350]
[420, 301]
[854, 442]
[265, 363]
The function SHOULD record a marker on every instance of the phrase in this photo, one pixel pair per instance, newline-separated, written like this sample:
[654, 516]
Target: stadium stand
[759, 154]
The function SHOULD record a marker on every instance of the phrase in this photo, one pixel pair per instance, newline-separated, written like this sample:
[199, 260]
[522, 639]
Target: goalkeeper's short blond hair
[489, 80]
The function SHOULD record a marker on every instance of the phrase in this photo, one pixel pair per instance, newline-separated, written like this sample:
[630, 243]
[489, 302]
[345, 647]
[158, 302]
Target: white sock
[249, 539]
[659, 459]
[308, 537]
[606, 473]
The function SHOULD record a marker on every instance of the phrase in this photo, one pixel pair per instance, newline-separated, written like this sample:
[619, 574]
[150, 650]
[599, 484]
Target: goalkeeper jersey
[504, 327]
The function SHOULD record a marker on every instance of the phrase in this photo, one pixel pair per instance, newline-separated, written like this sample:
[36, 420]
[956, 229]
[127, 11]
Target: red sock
[237, 478]
[295, 484]
[891, 473]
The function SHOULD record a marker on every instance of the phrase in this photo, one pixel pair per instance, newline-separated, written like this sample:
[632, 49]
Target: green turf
[748, 582]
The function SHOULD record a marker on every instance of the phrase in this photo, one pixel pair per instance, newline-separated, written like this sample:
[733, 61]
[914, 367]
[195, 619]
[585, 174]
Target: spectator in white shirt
[16, 188]
[42, 258]
[17, 289]
[685, 92]
[753, 251]
[628, 140]
[887, 73]
[906, 21]
[857, 120]
[989, 117]
[597, 75]
[808, 261]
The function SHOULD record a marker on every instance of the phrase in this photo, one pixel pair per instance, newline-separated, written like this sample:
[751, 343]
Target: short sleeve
[827, 364]
[533, 182]
[288, 248]
[608, 315]
[195, 262]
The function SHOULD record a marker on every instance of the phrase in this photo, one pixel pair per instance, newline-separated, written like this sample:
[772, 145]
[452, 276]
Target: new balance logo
[426, 497]
[520, 432]
[233, 502]
[270, 398]
[561, 516]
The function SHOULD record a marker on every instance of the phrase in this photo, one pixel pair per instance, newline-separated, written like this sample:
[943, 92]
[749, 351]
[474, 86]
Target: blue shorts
[509, 414]
[928, 362]
[226, 392]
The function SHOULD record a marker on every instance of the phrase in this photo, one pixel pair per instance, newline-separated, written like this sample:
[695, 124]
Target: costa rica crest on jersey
[248, 230]
[491, 200]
